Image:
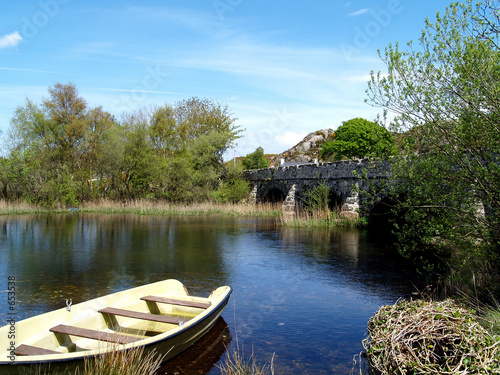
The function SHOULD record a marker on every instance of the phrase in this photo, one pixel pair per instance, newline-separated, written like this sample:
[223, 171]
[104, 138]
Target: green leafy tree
[255, 160]
[141, 166]
[446, 95]
[197, 117]
[164, 131]
[63, 152]
[359, 138]
[234, 187]
[206, 159]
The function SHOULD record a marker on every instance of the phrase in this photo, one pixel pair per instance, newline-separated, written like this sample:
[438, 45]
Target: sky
[283, 68]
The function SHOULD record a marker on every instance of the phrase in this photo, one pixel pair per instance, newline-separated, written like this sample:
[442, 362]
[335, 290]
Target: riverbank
[299, 219]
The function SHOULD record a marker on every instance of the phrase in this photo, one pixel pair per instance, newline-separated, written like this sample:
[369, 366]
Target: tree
[255, 160]
[62, 151]
[196, 117]
[359, 138]
[164, 132]
[206, 160]
[445, 94]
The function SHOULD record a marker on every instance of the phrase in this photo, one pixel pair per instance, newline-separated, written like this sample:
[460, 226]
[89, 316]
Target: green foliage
[317, 198]
[62, 152]
[359, 138]
[233, 188]
[255, 160]
[446, 95]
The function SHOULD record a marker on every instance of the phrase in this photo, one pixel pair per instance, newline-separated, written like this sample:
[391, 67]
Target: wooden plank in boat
[173, 301]
[24, 349]
[93, 334]
[139, 315]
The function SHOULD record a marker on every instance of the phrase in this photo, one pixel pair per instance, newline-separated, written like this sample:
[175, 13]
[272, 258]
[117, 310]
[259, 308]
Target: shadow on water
[203, 355]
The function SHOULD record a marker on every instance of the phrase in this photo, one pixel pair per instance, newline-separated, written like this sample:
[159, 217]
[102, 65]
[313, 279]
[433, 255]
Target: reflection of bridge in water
[345, 179]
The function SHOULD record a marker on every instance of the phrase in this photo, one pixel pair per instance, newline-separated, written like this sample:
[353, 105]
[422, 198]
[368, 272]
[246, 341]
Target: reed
[123, 362]
[301, 218]
[145, 207]
[320, 219]
[20, 208]
[236, 364]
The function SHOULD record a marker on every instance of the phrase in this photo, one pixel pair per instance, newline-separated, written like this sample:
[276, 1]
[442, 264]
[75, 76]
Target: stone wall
[343, 178]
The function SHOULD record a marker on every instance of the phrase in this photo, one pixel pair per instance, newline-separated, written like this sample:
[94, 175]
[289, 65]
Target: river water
[303, 296]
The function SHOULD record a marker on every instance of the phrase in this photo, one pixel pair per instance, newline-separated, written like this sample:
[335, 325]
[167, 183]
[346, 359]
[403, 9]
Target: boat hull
[168, 340]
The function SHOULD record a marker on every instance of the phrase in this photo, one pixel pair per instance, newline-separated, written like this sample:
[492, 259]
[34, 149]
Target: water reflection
[203, 355]
[304, 294]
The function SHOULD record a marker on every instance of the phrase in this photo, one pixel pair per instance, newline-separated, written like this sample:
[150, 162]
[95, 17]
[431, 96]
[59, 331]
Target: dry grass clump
[123, 362]
[236, 364]
[302, 218]
[418, 337]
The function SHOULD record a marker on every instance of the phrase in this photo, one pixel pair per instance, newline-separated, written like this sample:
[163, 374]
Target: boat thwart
[161, 316]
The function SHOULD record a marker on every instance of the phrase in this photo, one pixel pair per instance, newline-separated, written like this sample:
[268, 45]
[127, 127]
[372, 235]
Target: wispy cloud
[10, 40]
[359, 12]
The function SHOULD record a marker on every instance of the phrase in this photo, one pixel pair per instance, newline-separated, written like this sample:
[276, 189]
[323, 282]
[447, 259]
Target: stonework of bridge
[345, 179]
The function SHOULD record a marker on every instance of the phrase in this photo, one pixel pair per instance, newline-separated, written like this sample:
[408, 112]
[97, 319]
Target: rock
[307, 150]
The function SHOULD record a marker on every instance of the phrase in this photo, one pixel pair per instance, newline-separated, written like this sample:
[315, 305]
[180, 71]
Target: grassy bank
[299, 219]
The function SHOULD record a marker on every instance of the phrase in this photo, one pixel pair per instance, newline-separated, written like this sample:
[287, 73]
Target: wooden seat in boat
[173, 301]
[117, 338]
[139, 315]
[24, 349]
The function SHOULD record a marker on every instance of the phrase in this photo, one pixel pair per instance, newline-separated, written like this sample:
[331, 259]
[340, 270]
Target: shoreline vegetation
[300, 219]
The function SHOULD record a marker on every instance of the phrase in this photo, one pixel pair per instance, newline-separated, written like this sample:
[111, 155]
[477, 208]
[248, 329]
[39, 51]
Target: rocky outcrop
[307, 150]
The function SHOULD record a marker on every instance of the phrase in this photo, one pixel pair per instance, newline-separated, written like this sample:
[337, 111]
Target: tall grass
[300, 218]
[320, 219]
[236, 364]
[145, 207]
[123, 362]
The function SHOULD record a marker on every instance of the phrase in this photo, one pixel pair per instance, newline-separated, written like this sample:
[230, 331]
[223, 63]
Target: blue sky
[284, 68]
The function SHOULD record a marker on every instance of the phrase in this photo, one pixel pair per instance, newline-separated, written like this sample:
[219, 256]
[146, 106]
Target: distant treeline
[63, 152]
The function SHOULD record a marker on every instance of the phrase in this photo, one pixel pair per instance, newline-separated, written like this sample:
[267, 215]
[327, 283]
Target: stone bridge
[288, 182]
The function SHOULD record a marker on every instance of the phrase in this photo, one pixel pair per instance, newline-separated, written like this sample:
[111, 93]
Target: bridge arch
[288, 183]
[273, 193]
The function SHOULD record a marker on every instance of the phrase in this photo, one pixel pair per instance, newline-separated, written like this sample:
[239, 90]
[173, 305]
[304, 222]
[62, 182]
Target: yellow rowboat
[161, 316]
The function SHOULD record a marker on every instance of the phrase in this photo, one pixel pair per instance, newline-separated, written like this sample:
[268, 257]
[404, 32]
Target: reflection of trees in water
[203, 355]
[55, 257]
[322, 242]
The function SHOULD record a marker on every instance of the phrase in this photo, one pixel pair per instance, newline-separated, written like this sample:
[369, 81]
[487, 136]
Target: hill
[306, 150]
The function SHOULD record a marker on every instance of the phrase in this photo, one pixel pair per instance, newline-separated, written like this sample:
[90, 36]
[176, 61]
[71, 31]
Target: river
[303, 296]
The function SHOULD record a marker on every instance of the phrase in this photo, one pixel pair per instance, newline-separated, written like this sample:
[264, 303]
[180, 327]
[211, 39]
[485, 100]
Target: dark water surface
[303, 294]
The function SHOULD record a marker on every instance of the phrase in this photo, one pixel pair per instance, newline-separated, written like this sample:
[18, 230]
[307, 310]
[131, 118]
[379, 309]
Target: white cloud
[359, 12]
[10, 40]
[289, 139]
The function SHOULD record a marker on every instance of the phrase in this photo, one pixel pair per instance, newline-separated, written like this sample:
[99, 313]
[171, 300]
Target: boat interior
[148, 316]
